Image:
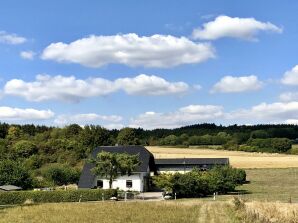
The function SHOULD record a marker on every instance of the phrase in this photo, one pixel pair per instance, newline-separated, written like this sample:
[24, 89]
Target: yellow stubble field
[238, 159]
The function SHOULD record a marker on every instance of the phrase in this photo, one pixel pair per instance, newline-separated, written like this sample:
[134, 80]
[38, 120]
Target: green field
[272, 184]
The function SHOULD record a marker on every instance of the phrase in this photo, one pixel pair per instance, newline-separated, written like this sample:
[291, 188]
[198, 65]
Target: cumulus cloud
[184, 116]
[70, 89]
[229, 84]
[277, 112]
[289, 96]
[27, 55]
[9, 113]
[291, 77]
[89, 118]
[234, 27]
[11, 38]
[131, 50]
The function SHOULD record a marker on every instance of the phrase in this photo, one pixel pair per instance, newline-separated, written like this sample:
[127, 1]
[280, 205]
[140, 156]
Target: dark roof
[193, 161]
[10, 187]
[146, 158]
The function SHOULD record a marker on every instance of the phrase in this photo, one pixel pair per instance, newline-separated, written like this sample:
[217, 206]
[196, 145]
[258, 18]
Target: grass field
[239, 159]
[110, 212]
[186, 211]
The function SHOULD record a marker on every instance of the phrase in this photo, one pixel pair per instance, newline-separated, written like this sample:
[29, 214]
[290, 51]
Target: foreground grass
[238, 159]
[265, 212]
[110, 212]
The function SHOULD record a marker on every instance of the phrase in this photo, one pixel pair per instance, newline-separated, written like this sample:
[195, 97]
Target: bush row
[199, 184]
[19, 197]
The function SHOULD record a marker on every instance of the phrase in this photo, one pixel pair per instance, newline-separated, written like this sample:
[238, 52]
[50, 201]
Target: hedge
[19, 197]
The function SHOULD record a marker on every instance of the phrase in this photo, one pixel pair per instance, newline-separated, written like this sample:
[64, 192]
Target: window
[99, 184]
[129, 183]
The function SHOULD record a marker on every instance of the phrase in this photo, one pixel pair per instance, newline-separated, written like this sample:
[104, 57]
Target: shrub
[19, 197]
[279, 145]
[60, 174]
[198, 184]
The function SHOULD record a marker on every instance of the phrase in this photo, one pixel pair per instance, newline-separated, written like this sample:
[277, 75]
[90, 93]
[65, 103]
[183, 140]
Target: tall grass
[266, 212]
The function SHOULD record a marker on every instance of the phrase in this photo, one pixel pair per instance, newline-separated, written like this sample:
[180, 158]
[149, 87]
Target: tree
[24, 148]
[60, 174]
[111, 165]
[127, 136]
[12, 172]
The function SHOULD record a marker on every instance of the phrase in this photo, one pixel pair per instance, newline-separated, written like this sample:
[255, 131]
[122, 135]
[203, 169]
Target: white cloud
[28, 55]
[291, 77]
[9, 113]
[292, 121]
[276, 112]
[241, 28]
[150, 85]
[89, 118]
[131, 50]
[11, 38]
[229, 84]
[289, 96]
[259, 114]
[184, 116]
[70, 89]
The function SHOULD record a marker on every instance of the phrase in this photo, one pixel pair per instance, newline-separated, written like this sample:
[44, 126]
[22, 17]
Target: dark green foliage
[60, 174]
[14, 173]
[55, 196]
[127, 136]
[24, 148]
[278, 145]
[199, 184]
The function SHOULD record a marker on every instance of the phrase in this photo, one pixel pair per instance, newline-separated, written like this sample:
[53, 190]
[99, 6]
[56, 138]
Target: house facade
[139, 180]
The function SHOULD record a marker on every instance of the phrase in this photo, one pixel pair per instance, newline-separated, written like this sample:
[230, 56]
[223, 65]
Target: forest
[43, 156]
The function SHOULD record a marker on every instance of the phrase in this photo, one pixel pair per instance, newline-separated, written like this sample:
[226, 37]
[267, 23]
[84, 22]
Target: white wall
[120, 182]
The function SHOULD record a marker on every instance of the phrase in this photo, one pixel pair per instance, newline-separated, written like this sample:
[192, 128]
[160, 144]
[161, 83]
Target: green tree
[12, 172]
[60, 174]
[127, 136]
[24, 148]
[111, 165]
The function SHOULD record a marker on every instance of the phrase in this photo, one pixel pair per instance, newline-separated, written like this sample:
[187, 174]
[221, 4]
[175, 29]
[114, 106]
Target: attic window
[129, 183]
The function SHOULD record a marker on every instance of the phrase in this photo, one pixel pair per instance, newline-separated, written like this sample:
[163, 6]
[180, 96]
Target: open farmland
[238, 159]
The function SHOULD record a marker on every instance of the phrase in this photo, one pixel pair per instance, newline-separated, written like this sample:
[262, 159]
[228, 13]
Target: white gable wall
[120, 182]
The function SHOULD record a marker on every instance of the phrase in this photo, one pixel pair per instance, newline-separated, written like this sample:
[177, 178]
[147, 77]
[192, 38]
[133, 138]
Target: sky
[149, 64]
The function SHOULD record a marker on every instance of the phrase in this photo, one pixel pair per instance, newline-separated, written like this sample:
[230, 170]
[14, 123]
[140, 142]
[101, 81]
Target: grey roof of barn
[146, 158]
[193, 161]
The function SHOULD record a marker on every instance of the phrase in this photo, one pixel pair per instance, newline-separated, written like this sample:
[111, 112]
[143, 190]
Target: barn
[139, 180]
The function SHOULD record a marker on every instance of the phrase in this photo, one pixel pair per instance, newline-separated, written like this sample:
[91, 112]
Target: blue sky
[150, 64]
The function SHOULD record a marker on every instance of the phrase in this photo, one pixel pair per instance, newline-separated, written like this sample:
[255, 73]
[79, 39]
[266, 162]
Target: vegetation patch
[20, 197]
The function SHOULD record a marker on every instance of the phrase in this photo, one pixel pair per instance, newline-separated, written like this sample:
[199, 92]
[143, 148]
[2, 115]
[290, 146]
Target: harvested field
[238, 159]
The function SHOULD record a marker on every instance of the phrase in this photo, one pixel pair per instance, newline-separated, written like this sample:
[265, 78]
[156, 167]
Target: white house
[137, 181]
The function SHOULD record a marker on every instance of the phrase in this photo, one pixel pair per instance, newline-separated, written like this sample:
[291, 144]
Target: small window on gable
[129, 183]
[99, 184]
